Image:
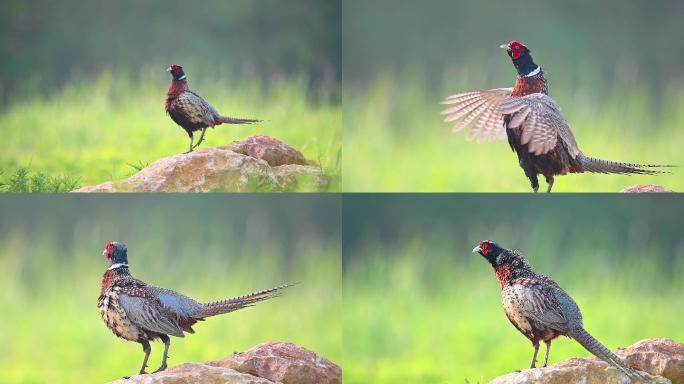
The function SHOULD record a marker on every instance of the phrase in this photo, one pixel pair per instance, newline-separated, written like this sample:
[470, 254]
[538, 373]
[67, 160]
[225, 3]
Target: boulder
[661, 358]
[284, 362]
[273, 151]
[645, 188]
[268, 363]
[258, 163]
[192, 373]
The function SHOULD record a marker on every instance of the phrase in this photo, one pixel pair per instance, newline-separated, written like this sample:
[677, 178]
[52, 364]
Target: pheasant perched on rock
[539, 308]
[191, 111]
[537, 131]
[142, 313]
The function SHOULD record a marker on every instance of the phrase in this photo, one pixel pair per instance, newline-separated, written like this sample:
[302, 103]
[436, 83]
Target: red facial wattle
[517, 49]
[108, 248]
[175, 69]
[484, 247]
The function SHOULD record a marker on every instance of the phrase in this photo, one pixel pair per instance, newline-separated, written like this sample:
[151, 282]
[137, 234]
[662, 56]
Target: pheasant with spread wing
[532, 121]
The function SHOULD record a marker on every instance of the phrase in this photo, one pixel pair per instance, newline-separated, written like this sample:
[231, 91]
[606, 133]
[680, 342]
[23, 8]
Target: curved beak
[504, 46]
[476, 249]
[104, 253]
[168, 69]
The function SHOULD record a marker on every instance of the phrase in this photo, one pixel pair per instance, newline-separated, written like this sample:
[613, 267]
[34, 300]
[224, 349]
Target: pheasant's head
[116, 253]
[491, 251]
[176, 71]
[522, 60]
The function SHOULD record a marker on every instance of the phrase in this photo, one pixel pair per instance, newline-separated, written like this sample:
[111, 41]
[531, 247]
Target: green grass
[395, 140]
[425, 310]
[94, 128]
[52, 264]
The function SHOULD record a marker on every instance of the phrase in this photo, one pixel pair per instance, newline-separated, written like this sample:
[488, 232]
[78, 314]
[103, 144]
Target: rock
[663, 357]
[192, 373]
[644, 188]
[273, 151]
[585, 371]
[268, 363]
[284, 362]
[258, 163]
[659, 357]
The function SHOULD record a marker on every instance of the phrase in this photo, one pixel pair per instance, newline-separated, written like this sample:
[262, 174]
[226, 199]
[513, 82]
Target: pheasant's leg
[167, 343]
[534, 182]
[191, 139]
[201, 139]
[546, 356]
[534, 356]
[549, 181]
[147, 349]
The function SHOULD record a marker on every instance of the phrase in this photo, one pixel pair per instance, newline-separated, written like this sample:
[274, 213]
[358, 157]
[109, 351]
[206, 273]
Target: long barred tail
[590, 164]
[235, 303]
[235, 120]
[599, 350]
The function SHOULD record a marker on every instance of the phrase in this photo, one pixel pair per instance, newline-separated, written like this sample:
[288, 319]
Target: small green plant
[139, 166]
[22, 181]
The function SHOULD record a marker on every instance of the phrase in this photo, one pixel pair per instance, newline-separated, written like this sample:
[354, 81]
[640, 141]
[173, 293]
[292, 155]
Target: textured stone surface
[262, 166]
[268, 363]
[645, 188]
[284, 362]
[663, 357]
[658, 357]
[193, 373]
[273, 151]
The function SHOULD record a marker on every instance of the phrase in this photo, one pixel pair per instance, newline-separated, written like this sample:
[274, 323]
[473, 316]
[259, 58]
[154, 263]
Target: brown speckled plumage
[538, 307]
[136, 311]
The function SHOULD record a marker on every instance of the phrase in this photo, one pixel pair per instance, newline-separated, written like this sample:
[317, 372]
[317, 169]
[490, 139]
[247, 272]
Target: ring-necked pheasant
[191, 111]
[537, 131]
[539, 308]
[139, 312]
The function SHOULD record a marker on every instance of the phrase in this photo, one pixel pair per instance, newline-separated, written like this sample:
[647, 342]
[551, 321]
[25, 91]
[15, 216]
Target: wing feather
[481, 107]
[149, 314]
[542, 123]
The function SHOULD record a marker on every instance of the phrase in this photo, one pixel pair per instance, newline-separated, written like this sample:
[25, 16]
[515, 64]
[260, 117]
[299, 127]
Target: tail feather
[235, 303]
[235, 120]
[599, 350]
[590, 164]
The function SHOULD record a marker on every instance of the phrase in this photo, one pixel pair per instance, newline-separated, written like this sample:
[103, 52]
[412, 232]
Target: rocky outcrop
[257, 163]
[268, 363]
[662, 358]
[284, 362]
[645, 188]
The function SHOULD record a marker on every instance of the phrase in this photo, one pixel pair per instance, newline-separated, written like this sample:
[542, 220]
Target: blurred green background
[616, 68]
[82, 83]
[210, 248]
[419, 307]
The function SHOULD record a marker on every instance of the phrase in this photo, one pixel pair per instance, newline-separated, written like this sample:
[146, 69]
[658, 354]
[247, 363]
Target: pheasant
[539, 308]
[139, 312]
[532, 121]
[191, 111]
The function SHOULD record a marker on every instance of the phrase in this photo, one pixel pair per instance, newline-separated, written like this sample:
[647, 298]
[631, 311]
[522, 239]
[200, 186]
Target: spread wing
[147, 312]
[547, 304]
[482, 106]
[196, 109]
[542, 123]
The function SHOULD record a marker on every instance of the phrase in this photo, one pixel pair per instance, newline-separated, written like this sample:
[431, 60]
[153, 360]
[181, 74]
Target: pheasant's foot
[161, 368]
